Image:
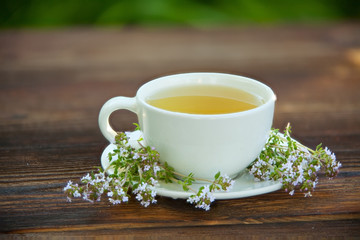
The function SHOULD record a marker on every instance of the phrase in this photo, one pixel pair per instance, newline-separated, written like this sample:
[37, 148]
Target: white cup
[196, 143]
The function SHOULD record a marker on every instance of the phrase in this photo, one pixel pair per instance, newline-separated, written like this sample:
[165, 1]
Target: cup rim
[141, 98]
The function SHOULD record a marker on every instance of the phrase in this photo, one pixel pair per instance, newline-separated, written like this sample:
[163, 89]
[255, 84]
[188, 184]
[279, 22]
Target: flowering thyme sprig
[204, 196]
[136, 169]
[293, 164]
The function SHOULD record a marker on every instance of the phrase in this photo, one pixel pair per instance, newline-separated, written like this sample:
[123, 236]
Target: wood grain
[54, 82]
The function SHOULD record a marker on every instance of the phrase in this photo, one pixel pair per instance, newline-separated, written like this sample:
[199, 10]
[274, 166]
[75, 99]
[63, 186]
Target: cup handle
[109, 107]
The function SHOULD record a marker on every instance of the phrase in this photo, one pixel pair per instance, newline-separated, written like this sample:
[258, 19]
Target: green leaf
[318, 147]
[217, 175]
[137, 126]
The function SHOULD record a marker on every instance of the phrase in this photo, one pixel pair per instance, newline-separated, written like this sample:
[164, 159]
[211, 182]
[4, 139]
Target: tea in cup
[200, 123]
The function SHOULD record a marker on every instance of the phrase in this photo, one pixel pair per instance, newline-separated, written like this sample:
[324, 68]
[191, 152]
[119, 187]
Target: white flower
[317, 168]
[136, 156]
[76, 194]
[100, 177]
[125, 198]
[145, 203]
[139, 197]
[68, 186]
[120, 192]
[193, 199]
[123, 152]
[85, 197]
[287, 166]
[314, 183]
[86, 178]
[156, 169]
[202, 199]
[106, 185]
[337, 166]
[140, 188]
[114, 201]
[146, 193]
[153, 181]
[204, 206]
[228, 181]
[298, 180]
[153, 194]
[330, 154]
[308, 194]
[101, 191]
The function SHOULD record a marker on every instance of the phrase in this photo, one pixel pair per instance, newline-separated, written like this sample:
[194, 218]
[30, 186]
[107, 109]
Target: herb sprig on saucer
[135, 169]
[293, 164]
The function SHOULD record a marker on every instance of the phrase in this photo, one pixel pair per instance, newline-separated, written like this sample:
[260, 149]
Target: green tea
[205, 100]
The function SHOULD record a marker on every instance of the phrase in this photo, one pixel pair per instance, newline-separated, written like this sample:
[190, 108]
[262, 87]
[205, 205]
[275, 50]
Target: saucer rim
[178, 194]
[161, 190]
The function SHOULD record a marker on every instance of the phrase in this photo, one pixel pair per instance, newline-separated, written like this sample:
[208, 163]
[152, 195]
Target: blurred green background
[198, 13]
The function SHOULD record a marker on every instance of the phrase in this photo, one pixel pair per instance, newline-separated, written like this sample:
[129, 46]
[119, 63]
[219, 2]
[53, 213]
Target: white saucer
[245, 184]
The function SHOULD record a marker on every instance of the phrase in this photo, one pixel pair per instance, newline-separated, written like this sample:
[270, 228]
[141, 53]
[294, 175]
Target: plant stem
[197, 179]
[297, 143]
[176, 180]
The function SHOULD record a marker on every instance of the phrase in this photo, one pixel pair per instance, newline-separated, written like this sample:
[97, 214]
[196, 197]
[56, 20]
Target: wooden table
[54, 82]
